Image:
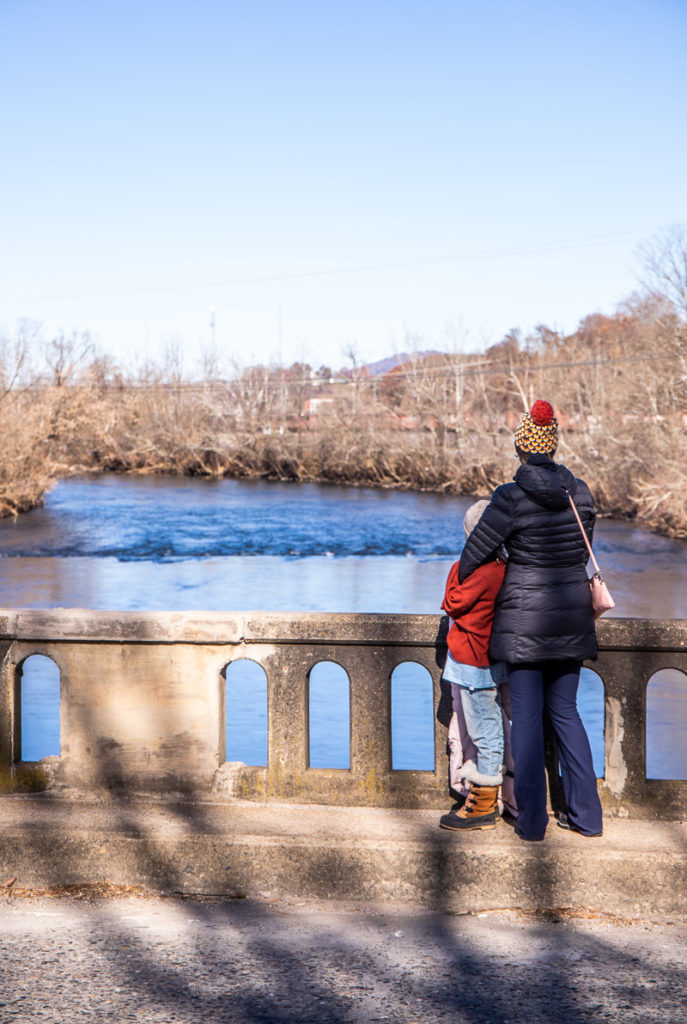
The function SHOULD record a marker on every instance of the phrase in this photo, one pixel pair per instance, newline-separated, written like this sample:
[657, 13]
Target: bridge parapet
[142, 698]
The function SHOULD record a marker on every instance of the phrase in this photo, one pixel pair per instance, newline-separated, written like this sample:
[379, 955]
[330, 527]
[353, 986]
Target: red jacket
[471, 605]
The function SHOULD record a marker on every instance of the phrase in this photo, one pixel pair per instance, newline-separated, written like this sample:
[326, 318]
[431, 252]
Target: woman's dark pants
[535, 686]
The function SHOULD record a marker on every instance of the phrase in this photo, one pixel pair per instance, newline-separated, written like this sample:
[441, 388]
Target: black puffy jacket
[544, 609]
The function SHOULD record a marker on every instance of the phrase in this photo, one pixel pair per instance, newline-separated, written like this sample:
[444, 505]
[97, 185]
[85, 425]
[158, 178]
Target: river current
[157, 543]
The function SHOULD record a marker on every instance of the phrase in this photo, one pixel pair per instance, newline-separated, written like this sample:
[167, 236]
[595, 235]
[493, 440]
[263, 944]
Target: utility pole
[212, 326]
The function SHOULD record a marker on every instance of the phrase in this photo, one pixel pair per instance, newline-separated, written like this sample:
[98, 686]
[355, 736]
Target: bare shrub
[441, 422]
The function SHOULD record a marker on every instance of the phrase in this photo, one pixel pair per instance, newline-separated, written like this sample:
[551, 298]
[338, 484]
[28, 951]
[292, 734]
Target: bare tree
[664, 266]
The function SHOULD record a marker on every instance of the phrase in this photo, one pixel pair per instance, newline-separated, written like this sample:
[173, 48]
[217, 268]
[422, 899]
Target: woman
[543, 624]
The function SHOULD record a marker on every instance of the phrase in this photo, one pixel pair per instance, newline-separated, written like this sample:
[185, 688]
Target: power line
[400, 375]
[582, 242]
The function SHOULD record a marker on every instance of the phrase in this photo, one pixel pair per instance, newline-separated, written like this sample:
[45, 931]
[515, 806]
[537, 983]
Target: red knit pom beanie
[538, 430]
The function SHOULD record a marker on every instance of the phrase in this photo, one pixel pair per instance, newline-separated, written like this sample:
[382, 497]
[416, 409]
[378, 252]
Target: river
[157, 543]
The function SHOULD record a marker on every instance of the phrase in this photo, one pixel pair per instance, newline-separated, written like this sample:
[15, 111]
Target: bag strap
[584, 535]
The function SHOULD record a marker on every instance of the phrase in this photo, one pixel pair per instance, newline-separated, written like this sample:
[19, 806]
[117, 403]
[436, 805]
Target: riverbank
[436, 422]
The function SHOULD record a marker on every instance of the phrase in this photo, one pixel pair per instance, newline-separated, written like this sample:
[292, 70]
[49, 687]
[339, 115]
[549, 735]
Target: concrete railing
[142, 704]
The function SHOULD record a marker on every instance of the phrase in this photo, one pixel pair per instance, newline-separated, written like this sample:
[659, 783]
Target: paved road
[162, 961]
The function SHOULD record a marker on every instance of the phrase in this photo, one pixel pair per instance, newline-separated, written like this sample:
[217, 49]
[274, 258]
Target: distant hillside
[382, 366]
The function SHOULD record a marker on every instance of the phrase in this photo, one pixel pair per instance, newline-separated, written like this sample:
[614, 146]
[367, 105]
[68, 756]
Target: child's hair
[473, 516]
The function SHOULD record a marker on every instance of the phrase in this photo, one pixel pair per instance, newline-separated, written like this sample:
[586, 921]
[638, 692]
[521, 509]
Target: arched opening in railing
[666, 711]
[38, 689]
[329, 716]
[592, 708]
[246, 712]
[412, 718]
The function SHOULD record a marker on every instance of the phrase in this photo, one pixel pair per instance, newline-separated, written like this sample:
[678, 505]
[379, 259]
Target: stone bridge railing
[142, 705]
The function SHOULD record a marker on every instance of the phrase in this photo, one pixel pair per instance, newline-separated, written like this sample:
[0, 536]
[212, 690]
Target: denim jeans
[482, 712]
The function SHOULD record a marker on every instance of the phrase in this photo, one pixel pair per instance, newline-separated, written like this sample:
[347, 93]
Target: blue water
[154, 519]
[154, 543]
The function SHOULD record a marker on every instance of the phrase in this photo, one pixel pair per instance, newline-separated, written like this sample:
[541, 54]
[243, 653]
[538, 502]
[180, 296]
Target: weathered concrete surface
[142, 705]
[244, 962]
[637, 869]
[74, 624]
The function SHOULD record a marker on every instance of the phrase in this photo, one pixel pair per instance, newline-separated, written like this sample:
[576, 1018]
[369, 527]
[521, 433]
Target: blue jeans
[551, 685]
[482, 712]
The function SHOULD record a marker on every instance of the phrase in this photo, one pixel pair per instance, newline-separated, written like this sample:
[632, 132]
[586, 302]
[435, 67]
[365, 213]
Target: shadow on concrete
[250, 963]
[350, 967]
[255, 960]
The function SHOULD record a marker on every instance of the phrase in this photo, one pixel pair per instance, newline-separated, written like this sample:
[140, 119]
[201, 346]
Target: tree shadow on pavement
[230, 962]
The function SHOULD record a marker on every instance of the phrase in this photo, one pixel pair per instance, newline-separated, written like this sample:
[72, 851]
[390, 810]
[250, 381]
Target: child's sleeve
[459, 598]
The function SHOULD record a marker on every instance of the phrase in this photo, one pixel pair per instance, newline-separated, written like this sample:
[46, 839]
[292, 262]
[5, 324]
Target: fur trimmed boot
[478, 811]
[470, 773]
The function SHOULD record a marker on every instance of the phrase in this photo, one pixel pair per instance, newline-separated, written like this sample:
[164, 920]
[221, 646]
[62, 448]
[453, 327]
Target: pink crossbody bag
[601, 595]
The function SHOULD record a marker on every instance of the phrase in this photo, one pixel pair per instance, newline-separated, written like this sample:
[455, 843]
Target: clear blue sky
[329, 174]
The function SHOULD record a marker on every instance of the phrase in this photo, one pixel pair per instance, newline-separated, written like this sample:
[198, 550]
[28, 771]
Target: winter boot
[479, 810]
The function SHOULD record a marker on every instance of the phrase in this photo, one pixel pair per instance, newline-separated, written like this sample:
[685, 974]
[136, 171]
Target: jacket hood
[546, 482]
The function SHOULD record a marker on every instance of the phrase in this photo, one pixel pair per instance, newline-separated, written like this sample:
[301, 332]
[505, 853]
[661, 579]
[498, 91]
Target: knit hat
[473, 516]
[538, 430]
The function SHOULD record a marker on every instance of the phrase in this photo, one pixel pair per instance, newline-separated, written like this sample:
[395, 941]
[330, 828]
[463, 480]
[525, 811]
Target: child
[474, 681]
